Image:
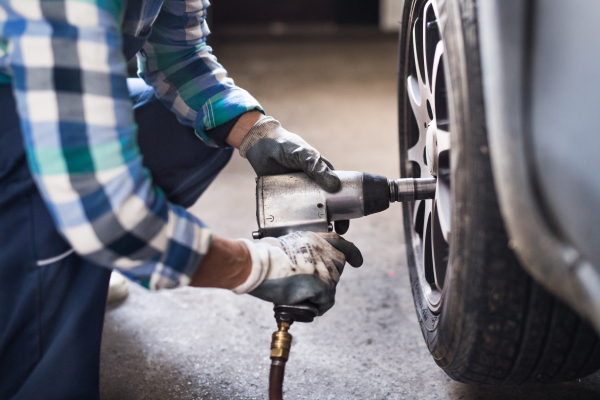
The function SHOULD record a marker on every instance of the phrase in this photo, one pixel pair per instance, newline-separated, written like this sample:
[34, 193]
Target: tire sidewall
[449, 332]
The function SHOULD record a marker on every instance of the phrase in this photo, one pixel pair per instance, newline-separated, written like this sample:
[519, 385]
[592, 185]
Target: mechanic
[77, 200]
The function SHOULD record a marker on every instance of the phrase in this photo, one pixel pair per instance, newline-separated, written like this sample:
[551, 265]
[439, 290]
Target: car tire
[484, 319]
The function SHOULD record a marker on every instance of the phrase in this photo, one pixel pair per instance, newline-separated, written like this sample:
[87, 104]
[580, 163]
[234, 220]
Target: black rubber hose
[276, 379]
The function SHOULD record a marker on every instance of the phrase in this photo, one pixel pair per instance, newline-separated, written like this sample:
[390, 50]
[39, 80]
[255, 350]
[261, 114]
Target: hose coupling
[281, 341]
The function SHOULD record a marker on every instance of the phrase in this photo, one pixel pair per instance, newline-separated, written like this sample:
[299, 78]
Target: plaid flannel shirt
[64, 59]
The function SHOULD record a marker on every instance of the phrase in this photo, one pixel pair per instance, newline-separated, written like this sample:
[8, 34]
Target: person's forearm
[241, 128]
[202, 95]
[226, 265]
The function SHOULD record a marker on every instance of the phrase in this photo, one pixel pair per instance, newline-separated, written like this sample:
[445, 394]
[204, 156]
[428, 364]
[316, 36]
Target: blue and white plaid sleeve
[185, 75]
[68, 75]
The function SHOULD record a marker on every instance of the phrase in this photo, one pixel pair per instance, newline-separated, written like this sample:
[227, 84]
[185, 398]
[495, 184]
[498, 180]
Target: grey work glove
[272, 150]
[300, 266]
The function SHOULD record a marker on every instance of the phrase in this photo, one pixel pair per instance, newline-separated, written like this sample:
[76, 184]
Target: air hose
[281, 342]
[280, 351]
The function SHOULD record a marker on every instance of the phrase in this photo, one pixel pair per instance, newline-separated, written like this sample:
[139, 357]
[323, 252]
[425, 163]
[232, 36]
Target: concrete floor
[212, 344]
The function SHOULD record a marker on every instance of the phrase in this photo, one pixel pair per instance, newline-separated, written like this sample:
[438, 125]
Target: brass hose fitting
[281, 341]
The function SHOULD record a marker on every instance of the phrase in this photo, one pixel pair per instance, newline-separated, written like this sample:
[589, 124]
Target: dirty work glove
[297, 267]
[272, 150]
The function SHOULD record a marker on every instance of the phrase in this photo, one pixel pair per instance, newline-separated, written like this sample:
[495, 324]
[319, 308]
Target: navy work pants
[52, 301]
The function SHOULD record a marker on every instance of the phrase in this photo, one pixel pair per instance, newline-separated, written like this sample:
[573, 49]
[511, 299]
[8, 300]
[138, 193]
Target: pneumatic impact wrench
[294, 202]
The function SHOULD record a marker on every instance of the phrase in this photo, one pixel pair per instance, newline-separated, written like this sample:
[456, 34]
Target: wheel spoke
[418, 213]
[443, 140]
[414, 94]
[444, 208]
[417, 50]
[424, 42]
[431, 39]
[438, 91]
[437, 59]
[415, 214]
[426, 216]
[415, 153]
[427, 248]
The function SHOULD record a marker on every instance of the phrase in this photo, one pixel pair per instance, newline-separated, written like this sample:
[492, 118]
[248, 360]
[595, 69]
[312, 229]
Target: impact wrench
[294, 202]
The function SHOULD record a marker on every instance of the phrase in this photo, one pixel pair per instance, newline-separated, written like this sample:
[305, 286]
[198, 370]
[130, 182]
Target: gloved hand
[272, 150]
[297, 267]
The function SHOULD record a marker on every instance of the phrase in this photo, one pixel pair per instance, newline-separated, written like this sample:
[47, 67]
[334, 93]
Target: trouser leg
[51, 301]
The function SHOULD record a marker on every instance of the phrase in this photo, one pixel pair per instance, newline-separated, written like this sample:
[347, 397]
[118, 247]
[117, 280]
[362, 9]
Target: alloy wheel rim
[429, 153]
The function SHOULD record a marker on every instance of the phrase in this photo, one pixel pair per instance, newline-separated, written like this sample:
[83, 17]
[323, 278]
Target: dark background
[265, 12]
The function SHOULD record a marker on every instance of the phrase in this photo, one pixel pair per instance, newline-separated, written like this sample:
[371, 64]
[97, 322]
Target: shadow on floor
[561, 391]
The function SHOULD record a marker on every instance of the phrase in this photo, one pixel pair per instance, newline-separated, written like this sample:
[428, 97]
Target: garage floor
[212, 344]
